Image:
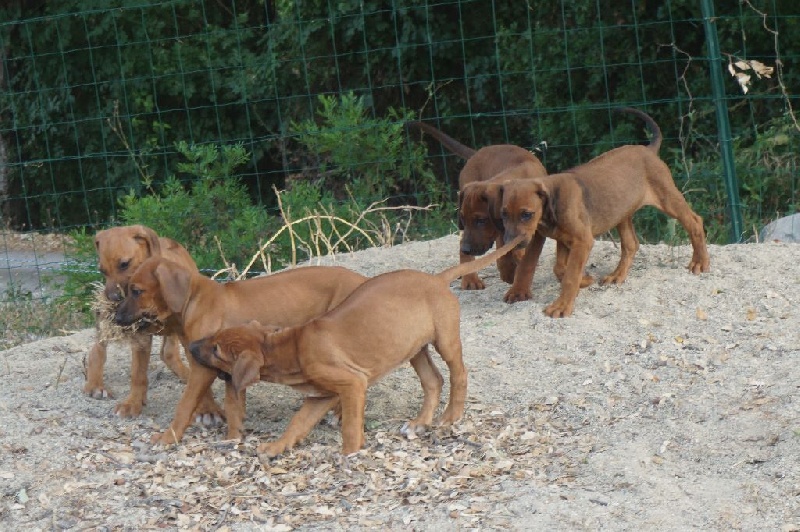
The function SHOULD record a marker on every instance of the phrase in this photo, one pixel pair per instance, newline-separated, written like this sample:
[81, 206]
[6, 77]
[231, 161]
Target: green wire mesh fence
[103, 101]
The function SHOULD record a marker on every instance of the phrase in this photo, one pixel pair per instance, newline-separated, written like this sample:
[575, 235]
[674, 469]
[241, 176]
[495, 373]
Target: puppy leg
[562, 253]
[448, 344]
[629, 245]
[95, 364]
[199, 383]
[471, 281]
[672, 203]
[507, 264]
[312, 411]
[131, 406]
[235, 406]
[171, 355]
[353, 399]
[432, 383]
[523, 278]
[571, 283]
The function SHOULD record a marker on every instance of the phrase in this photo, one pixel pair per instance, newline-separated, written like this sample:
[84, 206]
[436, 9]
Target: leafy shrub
[358, 160]
[213, 216]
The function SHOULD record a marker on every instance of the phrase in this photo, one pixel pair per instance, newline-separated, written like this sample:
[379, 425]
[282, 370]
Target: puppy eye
[135, 292]
[504, 214]
[526, 216]
[480, 221]
[124, 265]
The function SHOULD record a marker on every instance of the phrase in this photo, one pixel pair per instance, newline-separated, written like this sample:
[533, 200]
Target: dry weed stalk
[325, 236]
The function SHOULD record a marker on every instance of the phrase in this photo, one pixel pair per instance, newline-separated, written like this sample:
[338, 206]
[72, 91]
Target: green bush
[213, 216]
[766, 169]
[358, 160]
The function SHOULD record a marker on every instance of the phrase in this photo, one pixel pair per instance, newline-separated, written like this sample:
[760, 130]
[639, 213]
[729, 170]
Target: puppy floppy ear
[458, 214]
[549, 209]
[149, 239]
[175, 283]
[494, 199]
[98, 238]
[246, 370]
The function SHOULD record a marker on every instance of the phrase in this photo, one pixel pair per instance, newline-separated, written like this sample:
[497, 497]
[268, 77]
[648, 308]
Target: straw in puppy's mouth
[107, 329]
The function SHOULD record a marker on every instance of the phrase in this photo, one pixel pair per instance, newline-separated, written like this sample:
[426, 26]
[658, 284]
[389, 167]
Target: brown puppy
[498, 163]
[479, 204]
[196, 306]
[386, 321]
[120, 251]
[575, 206]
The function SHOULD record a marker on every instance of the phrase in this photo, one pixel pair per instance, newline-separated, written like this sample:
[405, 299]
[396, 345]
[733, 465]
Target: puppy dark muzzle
[196, 349]
[509, 236]
[468, 249]
[123, 317]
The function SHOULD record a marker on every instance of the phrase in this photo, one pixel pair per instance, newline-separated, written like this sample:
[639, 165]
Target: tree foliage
[98, 93]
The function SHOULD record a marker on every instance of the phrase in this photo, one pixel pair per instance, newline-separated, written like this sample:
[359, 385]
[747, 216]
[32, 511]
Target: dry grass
[326, 238]
[27, 319]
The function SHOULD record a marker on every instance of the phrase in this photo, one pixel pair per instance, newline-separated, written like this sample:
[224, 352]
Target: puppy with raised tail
[573, 207]
[478, 201]
[390, 319]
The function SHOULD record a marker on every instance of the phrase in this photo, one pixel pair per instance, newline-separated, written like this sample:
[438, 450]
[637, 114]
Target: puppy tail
[451, 274]
[655, 142]
[465, 152]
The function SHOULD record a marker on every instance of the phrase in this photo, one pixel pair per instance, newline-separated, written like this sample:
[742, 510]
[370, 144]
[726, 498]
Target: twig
[778, 64]
[222, 518]
[60, 371]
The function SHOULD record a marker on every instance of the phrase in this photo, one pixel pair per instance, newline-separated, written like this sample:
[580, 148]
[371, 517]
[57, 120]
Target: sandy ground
[668, 403]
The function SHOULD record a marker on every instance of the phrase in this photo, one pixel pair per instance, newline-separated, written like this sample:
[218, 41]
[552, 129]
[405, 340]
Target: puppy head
[120, 251]
[479, 216]
[523, 205]
[236, 351]
[157, 290]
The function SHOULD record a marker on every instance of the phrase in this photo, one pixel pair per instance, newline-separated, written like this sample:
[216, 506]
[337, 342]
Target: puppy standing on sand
[194, 306]
[573, 207]
[120, 252]
[478, 207]
[386, 321]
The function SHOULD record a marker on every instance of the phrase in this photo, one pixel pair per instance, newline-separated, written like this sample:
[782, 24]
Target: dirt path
[668, 403]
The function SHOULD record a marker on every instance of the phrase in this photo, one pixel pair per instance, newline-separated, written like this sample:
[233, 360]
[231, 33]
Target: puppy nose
[114, 297]
[195, 347]
[114, 293]
[120, 318]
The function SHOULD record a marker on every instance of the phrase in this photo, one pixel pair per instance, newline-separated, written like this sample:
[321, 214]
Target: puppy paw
[209, 419]
[587, 280]
[515, 296]
[208, 413]
[559, 309]
[128, 408]
[97, 392]
[234, 434]
[168, 437]
[267, 451]
[411, 429]
[472, 282]
[698, 266]
[614, 278]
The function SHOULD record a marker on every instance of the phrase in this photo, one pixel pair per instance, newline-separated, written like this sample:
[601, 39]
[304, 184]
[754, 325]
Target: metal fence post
[723, 122]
